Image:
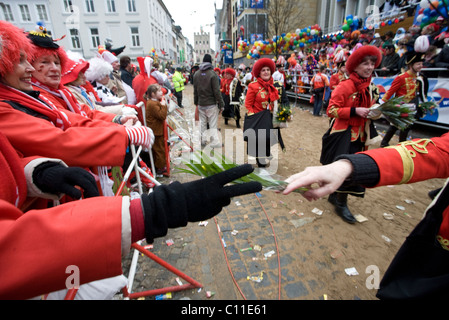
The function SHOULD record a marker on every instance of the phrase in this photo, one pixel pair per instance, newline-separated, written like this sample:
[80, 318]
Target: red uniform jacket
[336, 78]
[37, 247]
[414, 161]
[257, 98]
[340, 105]
[404, 85]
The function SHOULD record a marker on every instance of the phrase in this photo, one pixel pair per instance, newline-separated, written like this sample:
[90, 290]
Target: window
[90, 6]
[25, 12]
[42, 12]
[7, 13]
[132, 6]
[110, 6]
[67, 4]
[135, 39]
[74, 35]
[95, 37]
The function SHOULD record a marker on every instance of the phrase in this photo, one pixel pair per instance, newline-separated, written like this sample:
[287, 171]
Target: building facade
[139, 25]
[202, 45]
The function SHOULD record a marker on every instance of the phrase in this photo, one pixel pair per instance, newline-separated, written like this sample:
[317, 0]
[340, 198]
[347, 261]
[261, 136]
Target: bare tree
[284, 16]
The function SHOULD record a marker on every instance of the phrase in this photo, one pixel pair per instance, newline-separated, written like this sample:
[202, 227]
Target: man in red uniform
[408, 85]
[420, 268]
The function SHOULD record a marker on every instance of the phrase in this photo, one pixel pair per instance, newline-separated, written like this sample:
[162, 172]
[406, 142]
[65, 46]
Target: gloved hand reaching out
[53, 177]
[176, 204]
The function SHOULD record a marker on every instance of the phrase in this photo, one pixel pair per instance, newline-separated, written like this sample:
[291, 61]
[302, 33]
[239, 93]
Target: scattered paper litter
[351, 271]
[169, 242]
[269, 254]
[400, 208]
[386, 238]
[234, 232]
[317, 211]
[301, 222]
[203, 223]
[237, 203]
[257, 247]
[388, 216]
[409, 201]
[179, 281]
[258, 278]
[360, 218]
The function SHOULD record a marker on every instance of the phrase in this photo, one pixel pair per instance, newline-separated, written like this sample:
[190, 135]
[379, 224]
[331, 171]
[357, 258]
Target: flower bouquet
[283, 114]
[397, 112]
[202, 165]
[428, 107]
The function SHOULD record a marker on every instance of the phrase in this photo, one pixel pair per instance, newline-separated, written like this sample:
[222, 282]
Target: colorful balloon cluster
[429, 12]
[286, 42]
[243, 45]
[153, 53]
[226, 46]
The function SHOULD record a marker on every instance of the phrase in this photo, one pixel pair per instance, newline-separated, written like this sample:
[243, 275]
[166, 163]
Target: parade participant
[235, 92]
[156, 114]
[36, 126]
[74, 79]
[420, 268]
[340, 59]
[178, 85]
[320, 83]
[50, 62]
[207, 97]
[98, 74]
[144, 78]
[228, 76]
[115, 83]
[410, 85]
[93, 234]
[259, 102]
[349, 110]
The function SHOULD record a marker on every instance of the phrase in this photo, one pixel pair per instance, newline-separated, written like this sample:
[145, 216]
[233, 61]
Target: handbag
[312, 99]
[420, 269]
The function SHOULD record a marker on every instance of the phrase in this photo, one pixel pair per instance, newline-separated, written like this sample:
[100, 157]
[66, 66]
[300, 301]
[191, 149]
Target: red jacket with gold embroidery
[341, 105]
[336, 78]
[256, 99]
[414, 161]
[404, 85]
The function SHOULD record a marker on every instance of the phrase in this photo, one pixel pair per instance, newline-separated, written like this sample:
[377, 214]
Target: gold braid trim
[407, 155]
[444, 242]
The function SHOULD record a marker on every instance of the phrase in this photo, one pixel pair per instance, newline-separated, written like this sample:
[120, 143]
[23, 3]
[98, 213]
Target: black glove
[52, 177]
[176, 204]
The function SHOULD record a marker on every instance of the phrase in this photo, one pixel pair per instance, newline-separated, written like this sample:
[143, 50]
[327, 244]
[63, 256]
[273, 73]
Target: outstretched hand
[328, 178]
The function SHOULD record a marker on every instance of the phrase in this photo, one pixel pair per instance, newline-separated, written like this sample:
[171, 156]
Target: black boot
[341, 207]
[332, 198]
[237, 123]
[226, 120]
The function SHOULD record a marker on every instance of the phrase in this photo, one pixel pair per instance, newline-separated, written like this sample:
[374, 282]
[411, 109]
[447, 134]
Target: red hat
[358, 55]
[230, 71]
[264, 62]
[73, 70]
[217, 69]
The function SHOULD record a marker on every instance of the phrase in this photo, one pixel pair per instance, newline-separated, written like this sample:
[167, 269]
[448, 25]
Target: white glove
[140, 136]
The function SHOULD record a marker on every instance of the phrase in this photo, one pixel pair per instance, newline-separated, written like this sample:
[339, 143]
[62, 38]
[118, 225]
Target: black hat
[207, 58]
[40, 37]
[414, 57]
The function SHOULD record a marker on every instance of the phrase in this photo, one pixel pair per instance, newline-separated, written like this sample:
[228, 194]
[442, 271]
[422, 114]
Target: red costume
[404, 85]
[335, 79]
[31, 268]
[414, 161]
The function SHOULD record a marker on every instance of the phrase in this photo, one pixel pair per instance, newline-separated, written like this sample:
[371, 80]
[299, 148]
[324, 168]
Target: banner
[228, 57]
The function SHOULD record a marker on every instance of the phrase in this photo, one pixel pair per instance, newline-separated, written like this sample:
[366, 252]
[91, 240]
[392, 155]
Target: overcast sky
[192, 14]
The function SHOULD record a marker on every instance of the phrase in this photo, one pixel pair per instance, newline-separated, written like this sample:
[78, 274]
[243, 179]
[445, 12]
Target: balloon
[424, 4]
[435, 4]
[390, 22]
[419, 18]
[345, 27]
[350, 21]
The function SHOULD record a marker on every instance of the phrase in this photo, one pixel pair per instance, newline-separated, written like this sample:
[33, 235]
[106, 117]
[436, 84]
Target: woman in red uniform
[340, 59]
[349, 110]
[260, 97]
